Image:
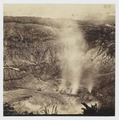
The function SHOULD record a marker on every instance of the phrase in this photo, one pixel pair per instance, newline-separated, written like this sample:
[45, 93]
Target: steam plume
[73, 54]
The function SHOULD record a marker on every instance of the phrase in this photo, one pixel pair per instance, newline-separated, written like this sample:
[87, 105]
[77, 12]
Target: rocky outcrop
[30, 48]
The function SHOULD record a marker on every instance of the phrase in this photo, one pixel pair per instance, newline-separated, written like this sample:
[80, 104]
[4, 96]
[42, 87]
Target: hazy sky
[74, 11]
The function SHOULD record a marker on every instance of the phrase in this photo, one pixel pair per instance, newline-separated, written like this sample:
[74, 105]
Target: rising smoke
[72, 56]
[79, 70]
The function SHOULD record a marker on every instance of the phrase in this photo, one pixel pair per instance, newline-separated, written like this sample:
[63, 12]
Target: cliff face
[30, 48]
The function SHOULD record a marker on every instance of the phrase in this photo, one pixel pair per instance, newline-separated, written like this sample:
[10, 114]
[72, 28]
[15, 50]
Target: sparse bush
[95, 111]
[89, 111]
[10, 111]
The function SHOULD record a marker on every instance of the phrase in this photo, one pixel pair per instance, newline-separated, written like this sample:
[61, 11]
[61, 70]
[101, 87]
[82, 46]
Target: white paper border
[116, 2]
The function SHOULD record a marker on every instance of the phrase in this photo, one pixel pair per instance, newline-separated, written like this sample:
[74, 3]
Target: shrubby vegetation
[95, 111]
[87, 111]
[10, 111]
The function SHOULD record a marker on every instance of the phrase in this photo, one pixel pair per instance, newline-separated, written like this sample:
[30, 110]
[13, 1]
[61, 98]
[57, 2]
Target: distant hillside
[56, 22]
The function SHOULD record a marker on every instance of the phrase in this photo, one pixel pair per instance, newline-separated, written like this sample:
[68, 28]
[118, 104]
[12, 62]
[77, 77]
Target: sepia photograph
[59, 59]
